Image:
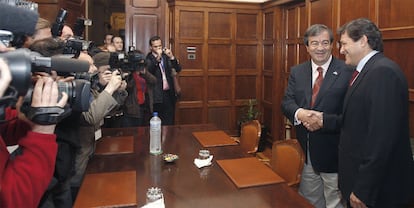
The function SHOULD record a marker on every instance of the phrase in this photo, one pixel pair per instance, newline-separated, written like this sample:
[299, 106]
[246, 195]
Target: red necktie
[354, 75]
[317, 85]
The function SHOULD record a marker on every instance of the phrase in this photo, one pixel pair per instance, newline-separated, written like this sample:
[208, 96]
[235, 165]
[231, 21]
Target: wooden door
[144, 19]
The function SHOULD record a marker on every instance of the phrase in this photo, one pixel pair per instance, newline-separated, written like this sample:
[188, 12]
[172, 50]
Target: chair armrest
[236, 139]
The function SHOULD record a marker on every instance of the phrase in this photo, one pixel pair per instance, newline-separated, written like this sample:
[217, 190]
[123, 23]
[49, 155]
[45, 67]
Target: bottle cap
[155, 113]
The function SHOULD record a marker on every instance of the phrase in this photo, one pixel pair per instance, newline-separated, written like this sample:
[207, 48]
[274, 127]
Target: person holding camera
[26, 176]
[161, 63]
[67, 33]
[138, 104]
[105, 99]
[59, 193]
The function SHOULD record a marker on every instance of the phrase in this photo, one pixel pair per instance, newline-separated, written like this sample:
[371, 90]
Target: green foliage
[250, 112]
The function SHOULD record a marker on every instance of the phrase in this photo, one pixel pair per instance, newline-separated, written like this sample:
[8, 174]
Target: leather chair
[250, 136]
[288, 160]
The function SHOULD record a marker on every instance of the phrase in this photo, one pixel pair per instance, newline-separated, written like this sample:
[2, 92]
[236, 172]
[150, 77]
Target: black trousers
[166, 109]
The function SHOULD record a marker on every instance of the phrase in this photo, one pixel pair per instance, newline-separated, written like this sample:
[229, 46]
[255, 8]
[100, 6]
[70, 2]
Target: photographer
[67, 33]
[25, 177]
[104, 101]
[138, 104]
[67, 131]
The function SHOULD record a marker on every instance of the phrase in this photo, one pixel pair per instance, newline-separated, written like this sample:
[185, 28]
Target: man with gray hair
[319, 85]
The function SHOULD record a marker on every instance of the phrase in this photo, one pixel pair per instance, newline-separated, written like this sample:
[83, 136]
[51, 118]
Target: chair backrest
[250, 136]
[288, 160]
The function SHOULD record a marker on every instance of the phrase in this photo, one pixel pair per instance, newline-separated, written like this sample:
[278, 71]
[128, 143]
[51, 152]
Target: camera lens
[66, 87]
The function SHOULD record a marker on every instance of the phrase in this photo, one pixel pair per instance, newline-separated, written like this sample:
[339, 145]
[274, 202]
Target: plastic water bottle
[155, 134]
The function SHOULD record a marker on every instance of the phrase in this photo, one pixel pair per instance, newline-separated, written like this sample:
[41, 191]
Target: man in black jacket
[162, 64]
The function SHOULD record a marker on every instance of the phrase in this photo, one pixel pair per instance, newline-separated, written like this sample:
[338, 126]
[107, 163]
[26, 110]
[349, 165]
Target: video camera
[22, 62]
[76, 44]
[132, 61]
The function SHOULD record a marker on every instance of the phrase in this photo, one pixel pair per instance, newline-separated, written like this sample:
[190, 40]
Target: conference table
[133, 170]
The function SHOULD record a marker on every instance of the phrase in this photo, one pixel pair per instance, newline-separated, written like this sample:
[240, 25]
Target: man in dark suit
[375, 158]
[324, 91]
[163, 65]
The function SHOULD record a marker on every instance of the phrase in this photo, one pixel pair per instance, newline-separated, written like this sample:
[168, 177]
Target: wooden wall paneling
[219, 57]
[191, 24]
[320, 13]
[268, 54]
[219, 88]
[221, 116]
[75, 9]
[268, 69]
[272, 86]
[212, 28]
[246, 57]
[48, 11]
[396, 22]
[395, 13]
[352, 9]
[189, 115]
[220, 25]
[394, 50]
[246, 87]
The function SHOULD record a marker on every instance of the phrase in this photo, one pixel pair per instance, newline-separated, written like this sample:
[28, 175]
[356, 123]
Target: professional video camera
[23, 62]
[132, 61]
[77, 44]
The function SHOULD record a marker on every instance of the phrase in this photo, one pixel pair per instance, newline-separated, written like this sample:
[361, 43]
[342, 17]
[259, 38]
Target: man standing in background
[161, 63]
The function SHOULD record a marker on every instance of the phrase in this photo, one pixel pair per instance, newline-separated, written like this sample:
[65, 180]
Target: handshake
[311, 120]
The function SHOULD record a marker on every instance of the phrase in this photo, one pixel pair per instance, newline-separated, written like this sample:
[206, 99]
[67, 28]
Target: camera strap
[47, 115]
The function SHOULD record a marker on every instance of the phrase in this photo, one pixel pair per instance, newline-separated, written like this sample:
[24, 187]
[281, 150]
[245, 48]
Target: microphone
[17, 20]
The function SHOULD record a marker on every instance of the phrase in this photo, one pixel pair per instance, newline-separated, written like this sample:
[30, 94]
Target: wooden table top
[182, 183]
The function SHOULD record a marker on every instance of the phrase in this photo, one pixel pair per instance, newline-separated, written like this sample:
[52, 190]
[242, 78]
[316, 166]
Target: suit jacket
[153, 66]
[375, 157]
[323, 145]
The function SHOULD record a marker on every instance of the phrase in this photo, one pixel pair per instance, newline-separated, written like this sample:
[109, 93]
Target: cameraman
[105, 99]
[25, 177]
[138, 104]
[58, 193]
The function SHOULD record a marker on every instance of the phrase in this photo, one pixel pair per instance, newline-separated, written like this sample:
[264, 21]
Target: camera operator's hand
[5, 77]
[123, 85]
[114, 83]
[45, 94]
[105, 77]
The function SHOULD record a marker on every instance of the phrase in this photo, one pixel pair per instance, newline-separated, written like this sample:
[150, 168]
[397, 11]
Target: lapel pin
[335, 73]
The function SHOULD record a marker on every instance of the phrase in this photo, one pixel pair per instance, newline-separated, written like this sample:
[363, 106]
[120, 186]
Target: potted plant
[249, 112]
